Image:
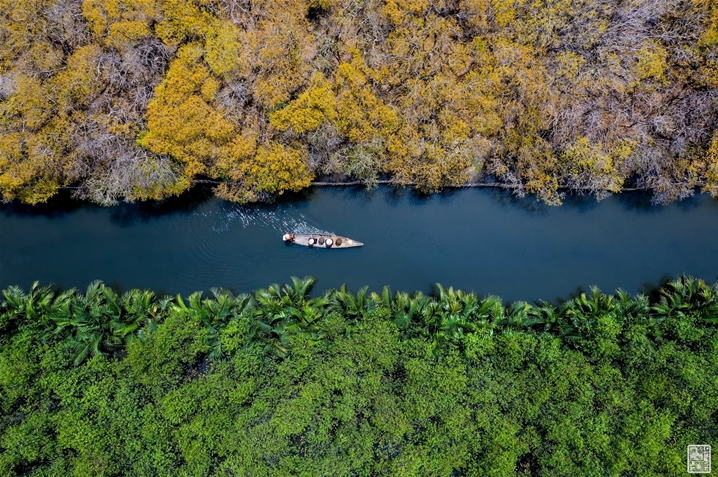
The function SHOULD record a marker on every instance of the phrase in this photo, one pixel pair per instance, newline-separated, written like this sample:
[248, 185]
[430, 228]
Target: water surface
[483, 240]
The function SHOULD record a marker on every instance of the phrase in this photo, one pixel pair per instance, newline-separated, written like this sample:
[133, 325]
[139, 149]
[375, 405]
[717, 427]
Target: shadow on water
[58, 206]
[444, 197]
[560, 300]
[528, 203]
[392, 195]
[127, 214]
[713, 203]
[695, 201]
[395, 195]
[132, 213]
[302, 196]
[650, 289]
[653, 291]
[117, 287]
[639, 201]
[533, 205]
[642, 201]
[583, 203]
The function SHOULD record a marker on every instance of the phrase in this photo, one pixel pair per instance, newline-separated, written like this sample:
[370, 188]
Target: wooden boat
[321, 241]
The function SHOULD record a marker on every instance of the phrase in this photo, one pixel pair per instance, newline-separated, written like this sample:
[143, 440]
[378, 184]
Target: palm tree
[86, 321]
[545, 317]
[516, 316]
[20, 310]
[224, 308]
[687, 294]
[628, 309]
[577, 317]
[158, 312]
[287, 310]
[354, 307]
[296, 300]
[402, 307]
[449, 315]
[99, 321]
[298, 293]
[213, 314]
[488, 314]
[136, 307]
[542, 315]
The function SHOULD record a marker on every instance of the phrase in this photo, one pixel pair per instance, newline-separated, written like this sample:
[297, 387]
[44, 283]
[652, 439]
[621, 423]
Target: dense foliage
[136, 98]
[280, 383]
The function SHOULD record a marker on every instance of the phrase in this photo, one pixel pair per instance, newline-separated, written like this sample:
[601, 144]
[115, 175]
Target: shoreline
[341, 182]
[468, 185]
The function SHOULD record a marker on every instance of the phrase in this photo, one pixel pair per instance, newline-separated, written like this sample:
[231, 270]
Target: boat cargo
[321, 241]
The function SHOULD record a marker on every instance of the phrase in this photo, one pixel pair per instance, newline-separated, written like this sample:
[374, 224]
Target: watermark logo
[699, 459]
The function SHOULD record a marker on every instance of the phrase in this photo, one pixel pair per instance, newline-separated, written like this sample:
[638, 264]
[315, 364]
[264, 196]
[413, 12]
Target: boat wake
[281, 220]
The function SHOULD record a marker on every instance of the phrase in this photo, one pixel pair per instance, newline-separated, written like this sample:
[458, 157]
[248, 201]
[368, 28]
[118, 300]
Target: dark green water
[482, 240]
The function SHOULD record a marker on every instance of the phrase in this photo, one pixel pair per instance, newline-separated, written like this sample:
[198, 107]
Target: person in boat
[311, 241]
[329, 243]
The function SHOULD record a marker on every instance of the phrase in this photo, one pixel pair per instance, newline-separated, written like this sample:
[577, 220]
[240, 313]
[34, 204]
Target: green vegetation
[280, 383]
[135, 99]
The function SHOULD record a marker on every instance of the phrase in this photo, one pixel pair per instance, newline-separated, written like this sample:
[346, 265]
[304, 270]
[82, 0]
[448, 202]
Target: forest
[290, 382]
[137, 99]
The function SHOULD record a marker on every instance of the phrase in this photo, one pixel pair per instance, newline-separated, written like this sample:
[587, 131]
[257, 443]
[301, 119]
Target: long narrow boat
[321, 240]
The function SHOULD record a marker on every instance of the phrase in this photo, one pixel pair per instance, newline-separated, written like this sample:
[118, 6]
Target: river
[484, 240]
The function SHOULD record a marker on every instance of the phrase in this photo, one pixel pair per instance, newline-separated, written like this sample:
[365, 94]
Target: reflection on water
[486, 240]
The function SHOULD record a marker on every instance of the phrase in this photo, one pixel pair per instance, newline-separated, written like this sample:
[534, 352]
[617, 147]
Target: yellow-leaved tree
[181, 120]
[366, 122]
[272, 170]
[38, 128]
[121, 23]
[588, 166]
[711, 160]
[309, 110]
[185, 122]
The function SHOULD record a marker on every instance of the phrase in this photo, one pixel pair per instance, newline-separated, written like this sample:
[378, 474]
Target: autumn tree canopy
[135, 99]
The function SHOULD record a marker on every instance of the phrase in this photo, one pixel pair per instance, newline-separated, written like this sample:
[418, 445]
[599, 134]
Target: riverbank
[343, 182]
[339, 180]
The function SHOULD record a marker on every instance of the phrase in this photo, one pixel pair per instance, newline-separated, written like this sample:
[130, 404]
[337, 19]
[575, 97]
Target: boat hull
[320, 240]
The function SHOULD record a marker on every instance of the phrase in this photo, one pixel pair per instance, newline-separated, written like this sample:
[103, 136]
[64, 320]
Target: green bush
[281, 383]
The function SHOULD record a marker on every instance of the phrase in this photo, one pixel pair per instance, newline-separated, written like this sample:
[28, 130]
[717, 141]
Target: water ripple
[282, 220]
